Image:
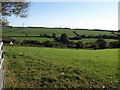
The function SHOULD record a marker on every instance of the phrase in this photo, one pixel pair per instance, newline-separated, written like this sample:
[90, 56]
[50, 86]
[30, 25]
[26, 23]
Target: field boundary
[1, 67]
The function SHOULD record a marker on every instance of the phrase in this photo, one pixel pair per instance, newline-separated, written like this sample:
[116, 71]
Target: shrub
[64, 38]
[31, 42]
[102, 44]
[48, 44]
[95, 46]
[26, 35]
[115, 44]
[79, 44]
[53, 35]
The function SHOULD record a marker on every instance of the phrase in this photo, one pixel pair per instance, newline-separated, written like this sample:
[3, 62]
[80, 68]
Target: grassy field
[49, 31]
[37, 31]
[88, 40]
[60, 68]
[41, 39]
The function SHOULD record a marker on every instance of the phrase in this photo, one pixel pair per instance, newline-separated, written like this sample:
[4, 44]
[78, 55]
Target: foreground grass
[60, 68]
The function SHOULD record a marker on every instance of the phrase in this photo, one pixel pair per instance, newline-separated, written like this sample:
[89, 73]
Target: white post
[1, 67]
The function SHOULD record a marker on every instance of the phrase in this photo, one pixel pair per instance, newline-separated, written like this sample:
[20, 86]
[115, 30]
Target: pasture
[6, 31]
[42, 39]
[19, 34]
[40, 67]
[34, 67]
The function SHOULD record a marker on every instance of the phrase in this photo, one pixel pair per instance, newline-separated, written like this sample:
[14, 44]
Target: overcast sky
[90, 15]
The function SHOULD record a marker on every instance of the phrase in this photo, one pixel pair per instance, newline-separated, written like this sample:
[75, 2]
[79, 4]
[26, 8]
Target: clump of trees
[14, 8]
[64, 38]
[48, 44]
[79, 44]
[101, 43]
[9, 8]
[114, 44]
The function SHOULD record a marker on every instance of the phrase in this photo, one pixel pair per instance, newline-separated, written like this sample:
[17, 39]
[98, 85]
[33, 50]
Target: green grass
[40, 39]
[60, 68]
[37, 31]
[89, 40]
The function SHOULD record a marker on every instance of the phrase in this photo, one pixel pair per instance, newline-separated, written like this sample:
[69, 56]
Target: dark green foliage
[64, 38]
[14, 8]
[7, 40]
[4, 22]
[48, 44]
[26, 35]
[115, 44]
[53, 35]
[46, 35]
[79, 44]
[76, 33]
[102, 44]
[30, 42]
[95, 46]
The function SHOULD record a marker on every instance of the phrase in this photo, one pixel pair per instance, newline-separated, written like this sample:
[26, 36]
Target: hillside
[44, 34]
[14, 31]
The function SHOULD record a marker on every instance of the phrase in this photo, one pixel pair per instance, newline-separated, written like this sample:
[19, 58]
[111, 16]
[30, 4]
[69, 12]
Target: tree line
[65, 42]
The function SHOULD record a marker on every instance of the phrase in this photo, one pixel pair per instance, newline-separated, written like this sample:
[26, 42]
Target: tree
[64, 38]
[79, 44]
[10, 7]
[4, 22]
[95, 46]
[53, 35]
[48, 44]
[101, 43]
[114, 44]
[14, 8]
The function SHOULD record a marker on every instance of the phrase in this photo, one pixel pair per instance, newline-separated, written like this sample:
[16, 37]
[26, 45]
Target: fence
[1, 66]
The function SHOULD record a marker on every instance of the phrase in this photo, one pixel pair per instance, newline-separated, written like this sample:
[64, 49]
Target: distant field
[59, 68]
[88, 40]
[41, 39]
[37, 31]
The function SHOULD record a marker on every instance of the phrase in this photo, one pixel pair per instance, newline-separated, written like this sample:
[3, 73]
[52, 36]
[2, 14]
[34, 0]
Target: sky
[83, 15]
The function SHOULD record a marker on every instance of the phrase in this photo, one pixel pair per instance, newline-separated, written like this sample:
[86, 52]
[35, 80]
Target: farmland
[21, 34]
[37, 31]
[27, 67]
[32, 66]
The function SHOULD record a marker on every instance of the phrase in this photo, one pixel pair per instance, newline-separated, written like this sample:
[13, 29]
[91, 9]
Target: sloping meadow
[34, 67]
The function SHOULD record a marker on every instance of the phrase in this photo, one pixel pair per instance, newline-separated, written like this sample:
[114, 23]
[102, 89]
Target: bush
[115, 44]
[26, 35]
[95, 46]
[48, 44]
[53, 35]
[7, 40]
[101, 43]
[79, 44]
[30, 42]
[64, 38]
